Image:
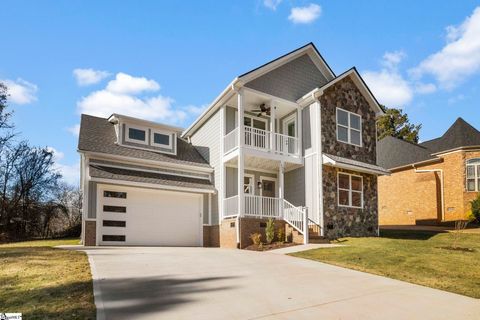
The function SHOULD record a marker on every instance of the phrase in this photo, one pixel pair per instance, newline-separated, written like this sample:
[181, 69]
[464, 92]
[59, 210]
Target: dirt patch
[272, 246]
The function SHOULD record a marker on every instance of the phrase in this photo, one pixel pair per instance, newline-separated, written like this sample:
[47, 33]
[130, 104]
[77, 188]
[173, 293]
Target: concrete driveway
[211, 283]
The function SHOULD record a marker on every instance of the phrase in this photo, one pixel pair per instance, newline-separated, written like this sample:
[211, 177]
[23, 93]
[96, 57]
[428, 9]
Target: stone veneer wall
[346, 95]
[90, 233]
[342, 221]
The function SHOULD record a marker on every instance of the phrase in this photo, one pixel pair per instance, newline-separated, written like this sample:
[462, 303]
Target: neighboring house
[430, 182]
[289, 140]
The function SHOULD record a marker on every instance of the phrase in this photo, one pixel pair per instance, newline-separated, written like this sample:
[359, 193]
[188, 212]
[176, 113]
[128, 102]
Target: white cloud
[57, 155]
[306, 14]
[455, 99]
[388, 85]
[21, 91]
[459, 58]
[87, 77]
[425, 88]
[126, 84]
[75, 129]
[271, 4]
[70, 173]
[121, 96]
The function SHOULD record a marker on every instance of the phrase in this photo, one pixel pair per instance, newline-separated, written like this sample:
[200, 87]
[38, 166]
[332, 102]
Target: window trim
[476, 169]
[252, 185]
[350, 190]
[127, 130]
[286, 121]
[348, 127]
[166, 133]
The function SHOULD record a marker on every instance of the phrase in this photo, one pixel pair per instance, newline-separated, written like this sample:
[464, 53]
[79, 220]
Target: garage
[152, 217]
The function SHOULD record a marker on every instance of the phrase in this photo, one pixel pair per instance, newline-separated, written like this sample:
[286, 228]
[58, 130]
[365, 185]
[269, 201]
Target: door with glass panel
[289, 130]
[255, 132]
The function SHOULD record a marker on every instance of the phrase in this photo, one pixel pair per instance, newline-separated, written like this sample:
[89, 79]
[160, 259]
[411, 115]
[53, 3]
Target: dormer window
[136, 135]
[161, 139]
[349, 127]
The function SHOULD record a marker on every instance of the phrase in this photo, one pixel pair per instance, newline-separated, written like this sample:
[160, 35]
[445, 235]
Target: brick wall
[250, 226]
[90, 233]
[211, 236]
[228, 233]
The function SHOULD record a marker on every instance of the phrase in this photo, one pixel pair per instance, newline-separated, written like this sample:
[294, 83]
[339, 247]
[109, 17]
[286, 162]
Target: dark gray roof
[393, 153]
[105, 172]
[460, 134]
[98, 135]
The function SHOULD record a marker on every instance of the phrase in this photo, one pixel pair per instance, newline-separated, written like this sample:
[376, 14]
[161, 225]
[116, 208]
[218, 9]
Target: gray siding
[291, 81]
[92, 200]
[208, 140]
[295, 186]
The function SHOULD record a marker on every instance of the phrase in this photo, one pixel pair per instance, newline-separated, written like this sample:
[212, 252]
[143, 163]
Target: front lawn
[412, 256]
[43, 282]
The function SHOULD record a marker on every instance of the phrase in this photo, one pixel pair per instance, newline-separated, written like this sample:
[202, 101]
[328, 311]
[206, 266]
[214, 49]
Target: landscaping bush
[256, 238]
[281, 235]
[270, 230]
[476, 208]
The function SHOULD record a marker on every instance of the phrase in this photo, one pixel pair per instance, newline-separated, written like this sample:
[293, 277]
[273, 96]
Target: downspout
[442, 194]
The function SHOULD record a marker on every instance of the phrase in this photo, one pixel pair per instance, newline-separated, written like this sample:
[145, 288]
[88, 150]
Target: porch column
[272, 125]
[299, 131]
[241, 166]
[281, 195]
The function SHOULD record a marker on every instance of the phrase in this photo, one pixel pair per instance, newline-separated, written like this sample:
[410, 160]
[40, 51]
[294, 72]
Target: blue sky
[168, 60]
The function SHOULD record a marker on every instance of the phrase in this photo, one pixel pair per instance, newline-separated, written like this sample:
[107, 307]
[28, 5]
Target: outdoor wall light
[259, 185]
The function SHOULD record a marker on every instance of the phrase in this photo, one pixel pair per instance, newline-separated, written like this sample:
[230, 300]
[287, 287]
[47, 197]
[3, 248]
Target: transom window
[349, 127]
[473, 175]
[161, 139]
[350, 190]
[136, 135]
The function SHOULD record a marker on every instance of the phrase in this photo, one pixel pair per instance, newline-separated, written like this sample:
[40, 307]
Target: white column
[222, 192]
[281, 188]
[241, 165]
[272, 124]
[299, 131]
[210, 208]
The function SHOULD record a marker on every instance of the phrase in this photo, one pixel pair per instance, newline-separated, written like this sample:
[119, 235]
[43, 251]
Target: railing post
[305, 225]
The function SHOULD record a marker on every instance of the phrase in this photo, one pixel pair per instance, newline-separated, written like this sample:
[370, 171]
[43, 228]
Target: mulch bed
[272, 246]
[458, 249]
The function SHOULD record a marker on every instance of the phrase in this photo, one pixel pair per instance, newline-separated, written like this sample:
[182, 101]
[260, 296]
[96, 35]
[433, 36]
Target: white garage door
[136, 216]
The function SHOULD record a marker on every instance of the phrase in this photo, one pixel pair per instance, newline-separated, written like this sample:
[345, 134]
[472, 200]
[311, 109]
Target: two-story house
[430, 182]
[288, 140]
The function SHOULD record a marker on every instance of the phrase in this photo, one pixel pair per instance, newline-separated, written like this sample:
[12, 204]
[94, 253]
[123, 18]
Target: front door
[269, 203]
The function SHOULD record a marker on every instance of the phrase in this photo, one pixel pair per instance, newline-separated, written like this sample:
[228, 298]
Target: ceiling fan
[262, 110]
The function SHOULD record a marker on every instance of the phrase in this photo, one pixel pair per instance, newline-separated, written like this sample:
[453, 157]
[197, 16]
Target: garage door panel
[154, 217]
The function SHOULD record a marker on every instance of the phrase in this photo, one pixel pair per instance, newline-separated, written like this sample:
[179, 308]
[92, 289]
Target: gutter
[442, 192]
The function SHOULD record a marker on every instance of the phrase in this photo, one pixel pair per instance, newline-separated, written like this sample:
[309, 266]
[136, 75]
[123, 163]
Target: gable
[290, 81]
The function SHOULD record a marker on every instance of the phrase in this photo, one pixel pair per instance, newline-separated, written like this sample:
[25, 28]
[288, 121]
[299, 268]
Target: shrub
[476, 208]
[256, 239]
[270, 230]
[281, 235]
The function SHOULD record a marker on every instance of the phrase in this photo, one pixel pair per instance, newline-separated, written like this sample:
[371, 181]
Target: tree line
[34, 201]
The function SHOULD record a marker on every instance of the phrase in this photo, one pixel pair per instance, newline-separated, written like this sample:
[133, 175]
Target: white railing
[262, 207]
[257, 138]
[261, 140]
[230, 141]
[285, 144]
[295, 216]
[230, 207]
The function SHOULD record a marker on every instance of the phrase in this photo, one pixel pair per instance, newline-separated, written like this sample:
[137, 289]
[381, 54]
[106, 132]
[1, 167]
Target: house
[288, 140]
[430, 182]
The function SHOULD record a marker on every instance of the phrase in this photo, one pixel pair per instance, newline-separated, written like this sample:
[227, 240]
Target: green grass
[416, 257]
[43, 282]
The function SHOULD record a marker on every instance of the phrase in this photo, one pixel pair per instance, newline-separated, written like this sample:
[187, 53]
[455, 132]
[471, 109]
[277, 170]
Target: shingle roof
[460, 134]
[105, 172]
[98, 135]
[393, 153]
[356, 163]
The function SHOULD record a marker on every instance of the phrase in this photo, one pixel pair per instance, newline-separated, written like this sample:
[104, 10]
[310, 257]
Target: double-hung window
[473, 175]
[349, 127]
[350, 190]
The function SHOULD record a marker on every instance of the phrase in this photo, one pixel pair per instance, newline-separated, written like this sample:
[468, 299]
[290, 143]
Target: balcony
[262, 140]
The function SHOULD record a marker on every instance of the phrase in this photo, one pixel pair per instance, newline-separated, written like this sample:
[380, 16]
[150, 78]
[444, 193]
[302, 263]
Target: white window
[248, 184]
[349, 127]
[473, 175]
[136, 134]
[350, 190]
[161, 139]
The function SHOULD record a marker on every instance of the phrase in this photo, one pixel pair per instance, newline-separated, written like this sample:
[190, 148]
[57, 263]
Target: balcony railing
[262, 140]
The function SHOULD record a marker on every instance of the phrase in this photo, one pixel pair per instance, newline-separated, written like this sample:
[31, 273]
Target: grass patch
[43, 282]
[412, 256]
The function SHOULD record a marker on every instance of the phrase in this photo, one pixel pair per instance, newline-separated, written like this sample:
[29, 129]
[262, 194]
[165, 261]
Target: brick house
[289, 140]
[430, 182]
